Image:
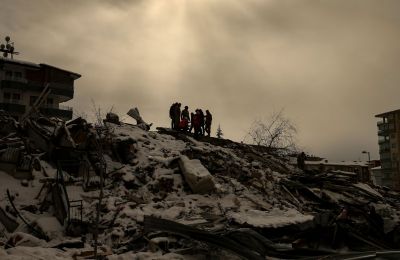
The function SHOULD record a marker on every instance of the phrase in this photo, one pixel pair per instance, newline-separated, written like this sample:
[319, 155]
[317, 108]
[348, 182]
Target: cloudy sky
[331, 64]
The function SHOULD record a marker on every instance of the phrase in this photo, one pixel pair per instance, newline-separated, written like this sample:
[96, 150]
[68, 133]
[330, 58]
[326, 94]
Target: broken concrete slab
[134, 113]
[196, 175]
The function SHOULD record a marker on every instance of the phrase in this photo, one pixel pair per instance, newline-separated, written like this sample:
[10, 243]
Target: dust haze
[332, 65]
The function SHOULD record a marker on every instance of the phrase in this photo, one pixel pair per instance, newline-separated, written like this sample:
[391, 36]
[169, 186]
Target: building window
[16, 96]
[7, 95]
[8, 74]
[32, 100]
[394, 145]
[18, 74]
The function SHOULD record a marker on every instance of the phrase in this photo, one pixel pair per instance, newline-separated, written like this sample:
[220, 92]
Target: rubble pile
[166, 195]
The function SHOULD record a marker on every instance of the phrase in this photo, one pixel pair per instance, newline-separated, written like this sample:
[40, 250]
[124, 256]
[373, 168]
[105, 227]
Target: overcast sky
[331, 64]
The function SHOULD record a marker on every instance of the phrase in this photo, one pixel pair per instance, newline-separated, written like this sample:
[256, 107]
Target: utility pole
[8, 48]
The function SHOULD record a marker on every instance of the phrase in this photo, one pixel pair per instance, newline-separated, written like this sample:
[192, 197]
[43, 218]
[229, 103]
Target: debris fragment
[196, 175]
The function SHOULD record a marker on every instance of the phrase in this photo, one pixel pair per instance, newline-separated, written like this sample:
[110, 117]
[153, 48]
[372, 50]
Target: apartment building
[22, 82]
[388, 140]
[359, 168]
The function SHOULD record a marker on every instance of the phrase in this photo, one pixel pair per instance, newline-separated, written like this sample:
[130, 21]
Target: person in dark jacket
[185, 119]
[201, 115]
[208, 122]
[177, 116]
[192, 115]
[172, 114]
[197, 123]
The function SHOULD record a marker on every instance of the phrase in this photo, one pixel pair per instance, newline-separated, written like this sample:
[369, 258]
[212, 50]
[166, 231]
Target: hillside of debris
[77, 191]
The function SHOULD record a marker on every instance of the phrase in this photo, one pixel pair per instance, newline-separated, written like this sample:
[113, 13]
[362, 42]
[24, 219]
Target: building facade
[21, 83]
[360, 169]
[388, 140]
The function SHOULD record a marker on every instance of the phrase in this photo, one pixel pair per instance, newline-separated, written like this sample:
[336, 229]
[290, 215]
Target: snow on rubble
[170, 196]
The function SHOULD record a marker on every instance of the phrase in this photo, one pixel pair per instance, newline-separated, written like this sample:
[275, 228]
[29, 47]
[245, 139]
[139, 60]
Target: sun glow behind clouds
[321, 60]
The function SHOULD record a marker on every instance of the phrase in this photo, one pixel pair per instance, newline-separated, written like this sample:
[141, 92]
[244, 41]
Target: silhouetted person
[197, 123]
[208, 122]
[201, 115]
[172, 114]
[185, 113]
[177, 116]
[185, 119]
[301, 158]
[192, 115]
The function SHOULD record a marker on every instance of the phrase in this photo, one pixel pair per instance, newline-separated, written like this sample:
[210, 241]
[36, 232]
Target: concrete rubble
[166, 195]
[196, 175]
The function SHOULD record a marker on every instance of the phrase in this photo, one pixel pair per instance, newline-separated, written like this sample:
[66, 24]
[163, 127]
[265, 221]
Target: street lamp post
[369, 157]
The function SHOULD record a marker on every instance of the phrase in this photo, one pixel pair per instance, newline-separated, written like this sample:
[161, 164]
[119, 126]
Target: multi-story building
[389, 145]
[21, 83]
[360, 169]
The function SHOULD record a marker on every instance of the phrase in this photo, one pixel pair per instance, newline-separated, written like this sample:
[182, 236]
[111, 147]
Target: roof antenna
[8, 48]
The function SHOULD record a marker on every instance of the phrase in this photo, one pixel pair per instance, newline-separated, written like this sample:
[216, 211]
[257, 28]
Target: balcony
[65, 90]
[387, 126]
[386, 165]
[383, 141]
[385, 156]
[12, 105]
[62, 112]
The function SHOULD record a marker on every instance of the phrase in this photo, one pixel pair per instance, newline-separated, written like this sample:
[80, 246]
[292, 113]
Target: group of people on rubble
[197, 121]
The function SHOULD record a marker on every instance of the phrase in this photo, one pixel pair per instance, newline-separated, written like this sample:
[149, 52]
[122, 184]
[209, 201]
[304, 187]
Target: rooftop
[34, 65]
[19, 62]
[343, 163]
[387, 113]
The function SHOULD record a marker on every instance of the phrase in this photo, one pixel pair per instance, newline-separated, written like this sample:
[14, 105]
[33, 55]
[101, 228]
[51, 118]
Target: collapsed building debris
[196, 175]
[166, 193]
[134, 113]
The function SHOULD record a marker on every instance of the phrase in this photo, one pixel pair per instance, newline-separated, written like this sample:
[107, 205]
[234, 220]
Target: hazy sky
[331, 64]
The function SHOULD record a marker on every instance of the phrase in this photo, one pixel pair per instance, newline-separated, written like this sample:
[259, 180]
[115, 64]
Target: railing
[17, 79]
[59, 107]
[386, 127]
[57, 112]
[75, 211]
[12, 101]
[385, 156]
[12, 107]
[383, 139]
[91, 181]
[74, 208]
[386, 165]
[66, 90]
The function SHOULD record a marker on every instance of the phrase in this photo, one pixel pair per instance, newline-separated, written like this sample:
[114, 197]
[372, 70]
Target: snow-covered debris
[196, 175]
[216, 186]
[134, 113]
[273, 219]
[33, 253]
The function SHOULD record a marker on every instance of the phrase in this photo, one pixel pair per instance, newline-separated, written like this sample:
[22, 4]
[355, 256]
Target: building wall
[20, 85]
[362, 171]
[376, 176]
[389, 145]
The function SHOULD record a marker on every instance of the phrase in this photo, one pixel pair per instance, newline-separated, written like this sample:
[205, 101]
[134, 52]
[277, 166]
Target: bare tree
[275, 132]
